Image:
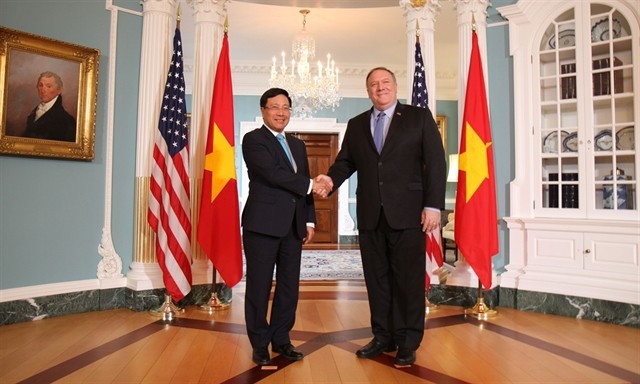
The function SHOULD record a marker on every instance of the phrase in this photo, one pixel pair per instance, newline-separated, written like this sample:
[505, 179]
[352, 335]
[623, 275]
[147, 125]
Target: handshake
[322, 185]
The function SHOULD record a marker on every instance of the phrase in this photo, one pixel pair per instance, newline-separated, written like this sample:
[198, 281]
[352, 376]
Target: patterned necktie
[282, 141]
[378, 131]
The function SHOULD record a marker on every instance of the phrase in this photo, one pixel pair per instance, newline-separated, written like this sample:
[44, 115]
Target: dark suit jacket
[55, 124]
[277, 195]
[407, 176]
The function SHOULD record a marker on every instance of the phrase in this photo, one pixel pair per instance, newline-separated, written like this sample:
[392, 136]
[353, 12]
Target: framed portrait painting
[441, 121]
[48, 92]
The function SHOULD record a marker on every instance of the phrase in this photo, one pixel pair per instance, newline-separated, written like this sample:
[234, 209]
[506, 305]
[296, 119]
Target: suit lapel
[396, 123]
[366, 125]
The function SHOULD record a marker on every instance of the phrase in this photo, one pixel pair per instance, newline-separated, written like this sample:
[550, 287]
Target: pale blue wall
[52, 211]
[500, 66]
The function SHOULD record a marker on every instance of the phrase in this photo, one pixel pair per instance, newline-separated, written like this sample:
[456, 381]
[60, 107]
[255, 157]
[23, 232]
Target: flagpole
[475, 228]
[480, 311]
[417, 94]
[176, 283]
[214, 304]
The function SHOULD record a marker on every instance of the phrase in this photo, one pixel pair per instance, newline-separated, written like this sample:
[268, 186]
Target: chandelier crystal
[308, 93]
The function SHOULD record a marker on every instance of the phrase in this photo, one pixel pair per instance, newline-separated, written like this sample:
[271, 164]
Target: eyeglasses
[275, 109]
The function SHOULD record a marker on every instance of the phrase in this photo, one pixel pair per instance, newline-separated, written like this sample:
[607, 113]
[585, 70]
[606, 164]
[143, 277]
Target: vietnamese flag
[219, 224]
[476, 225]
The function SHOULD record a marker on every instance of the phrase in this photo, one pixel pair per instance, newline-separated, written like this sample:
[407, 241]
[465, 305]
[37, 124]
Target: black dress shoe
[288, 352]
[405, 357]
[261, 356]
[375, 348]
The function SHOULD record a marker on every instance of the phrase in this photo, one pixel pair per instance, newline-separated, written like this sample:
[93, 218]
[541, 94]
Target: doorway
[322, 149]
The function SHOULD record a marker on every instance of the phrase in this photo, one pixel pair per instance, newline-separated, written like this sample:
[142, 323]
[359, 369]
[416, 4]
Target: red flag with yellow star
[476, 225]
[219, 224]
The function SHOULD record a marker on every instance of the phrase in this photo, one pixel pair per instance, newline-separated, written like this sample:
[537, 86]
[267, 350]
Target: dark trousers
[393, 263]
[263, 253]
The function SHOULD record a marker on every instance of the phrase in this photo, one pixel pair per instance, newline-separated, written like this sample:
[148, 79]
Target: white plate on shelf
[600, 30]
[566, 38]
[625, 138]
[604, 140]
[570, 143]
[551, 144]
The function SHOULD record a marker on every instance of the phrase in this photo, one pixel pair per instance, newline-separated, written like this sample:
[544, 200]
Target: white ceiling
[359, 34]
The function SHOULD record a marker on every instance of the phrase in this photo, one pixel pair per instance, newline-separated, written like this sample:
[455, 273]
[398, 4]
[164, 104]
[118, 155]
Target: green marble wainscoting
[548, 303]
[97, 300]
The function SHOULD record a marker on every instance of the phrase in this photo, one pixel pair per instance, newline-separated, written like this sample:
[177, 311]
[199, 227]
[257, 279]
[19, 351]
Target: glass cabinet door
[559, 90]
[587, 149]
[614, 159]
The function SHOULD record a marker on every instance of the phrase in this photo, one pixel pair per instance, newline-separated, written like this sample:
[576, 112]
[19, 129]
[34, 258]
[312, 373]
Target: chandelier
[308, 93]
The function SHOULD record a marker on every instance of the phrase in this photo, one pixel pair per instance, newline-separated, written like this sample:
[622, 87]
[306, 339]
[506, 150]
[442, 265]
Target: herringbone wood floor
[121, 346]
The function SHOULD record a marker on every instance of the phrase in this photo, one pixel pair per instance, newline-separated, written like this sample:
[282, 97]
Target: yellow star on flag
[474, 161]
[220, 162]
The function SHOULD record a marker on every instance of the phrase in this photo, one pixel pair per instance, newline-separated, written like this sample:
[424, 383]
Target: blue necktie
[282, 141]
[378, 131]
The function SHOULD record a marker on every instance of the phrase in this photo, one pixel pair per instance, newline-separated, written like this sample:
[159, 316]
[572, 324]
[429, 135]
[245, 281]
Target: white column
[159, 18]
[209, 16]
[470, 11]
[157, 33]
[421, 17]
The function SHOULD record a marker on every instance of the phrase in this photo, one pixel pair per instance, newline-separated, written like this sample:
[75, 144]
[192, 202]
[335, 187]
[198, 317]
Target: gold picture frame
[25, 59]
[441, 122]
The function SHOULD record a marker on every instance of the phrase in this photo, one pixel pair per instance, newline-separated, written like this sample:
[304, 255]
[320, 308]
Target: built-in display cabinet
[574, 222]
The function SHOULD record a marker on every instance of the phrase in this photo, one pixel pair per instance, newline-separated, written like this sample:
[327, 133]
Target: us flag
[169, 207]
[419, 95]
[420, 98]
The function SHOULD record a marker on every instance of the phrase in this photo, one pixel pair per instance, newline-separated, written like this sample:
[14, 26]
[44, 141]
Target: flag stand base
[429, 306]
[168, 311]
[480, 310]
[214, 305]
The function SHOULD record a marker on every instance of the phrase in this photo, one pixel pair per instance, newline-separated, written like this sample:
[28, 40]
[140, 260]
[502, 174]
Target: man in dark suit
[277, 219]
[49, 120]
[401, 190]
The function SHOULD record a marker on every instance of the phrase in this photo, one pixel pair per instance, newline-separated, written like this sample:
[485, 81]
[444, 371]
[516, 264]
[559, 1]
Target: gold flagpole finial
[417, 29]
[473, 22]
[226, 24]
[179, 15]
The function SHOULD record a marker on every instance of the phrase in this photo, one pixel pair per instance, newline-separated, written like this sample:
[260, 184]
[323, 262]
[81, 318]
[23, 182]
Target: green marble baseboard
[97, 300]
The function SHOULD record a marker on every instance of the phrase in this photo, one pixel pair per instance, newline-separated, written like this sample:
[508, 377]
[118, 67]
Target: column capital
[468, 8]
[420, 11]
[164, 6]
[209, 10]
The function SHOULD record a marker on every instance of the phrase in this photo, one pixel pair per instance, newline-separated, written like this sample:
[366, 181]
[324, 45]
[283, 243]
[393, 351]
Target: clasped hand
[322, 185]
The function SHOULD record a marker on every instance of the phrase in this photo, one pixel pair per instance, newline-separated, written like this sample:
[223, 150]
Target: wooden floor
[121, 346]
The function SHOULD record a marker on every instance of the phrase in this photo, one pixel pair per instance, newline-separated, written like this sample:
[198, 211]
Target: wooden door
[322, 150]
